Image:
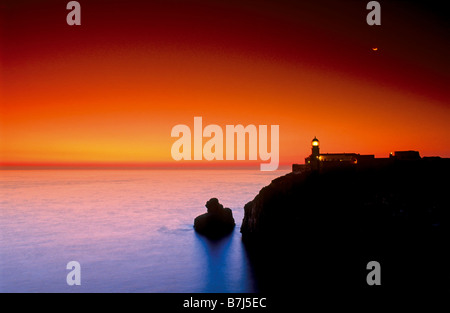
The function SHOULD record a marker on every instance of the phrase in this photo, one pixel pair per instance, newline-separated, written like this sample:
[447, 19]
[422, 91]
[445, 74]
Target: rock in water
[217, 222]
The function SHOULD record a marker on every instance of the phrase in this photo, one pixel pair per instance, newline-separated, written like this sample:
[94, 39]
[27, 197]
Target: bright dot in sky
[375, 49]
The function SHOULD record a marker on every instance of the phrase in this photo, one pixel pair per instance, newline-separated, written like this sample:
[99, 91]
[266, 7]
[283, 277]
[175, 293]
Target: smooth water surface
[130, 230]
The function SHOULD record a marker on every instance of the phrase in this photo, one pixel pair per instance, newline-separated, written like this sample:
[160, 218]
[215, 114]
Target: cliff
[321, 229]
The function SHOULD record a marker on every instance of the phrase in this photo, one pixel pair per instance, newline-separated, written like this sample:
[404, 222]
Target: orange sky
[112, 95]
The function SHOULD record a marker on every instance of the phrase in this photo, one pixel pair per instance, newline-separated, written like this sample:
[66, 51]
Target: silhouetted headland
[217, 222]
[314, 230]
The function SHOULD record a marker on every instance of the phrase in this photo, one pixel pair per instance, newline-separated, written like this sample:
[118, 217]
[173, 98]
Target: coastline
[323, 228]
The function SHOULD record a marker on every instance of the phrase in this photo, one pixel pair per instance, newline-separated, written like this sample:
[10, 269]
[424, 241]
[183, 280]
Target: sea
[129, 230]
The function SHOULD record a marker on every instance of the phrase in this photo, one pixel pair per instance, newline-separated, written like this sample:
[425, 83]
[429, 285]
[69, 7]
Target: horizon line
[131, 166]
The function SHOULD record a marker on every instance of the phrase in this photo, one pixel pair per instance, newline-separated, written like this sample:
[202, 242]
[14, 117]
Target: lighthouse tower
[315, 153]
[315, 148]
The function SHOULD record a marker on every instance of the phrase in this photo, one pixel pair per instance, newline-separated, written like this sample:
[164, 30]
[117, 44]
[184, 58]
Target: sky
[109, 91]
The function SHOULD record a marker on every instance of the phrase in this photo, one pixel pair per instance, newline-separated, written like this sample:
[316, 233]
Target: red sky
[110, 91]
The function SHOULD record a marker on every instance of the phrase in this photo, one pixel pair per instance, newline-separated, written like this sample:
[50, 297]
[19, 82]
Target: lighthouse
[315, 148]
[317, 161]
[315, 153]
